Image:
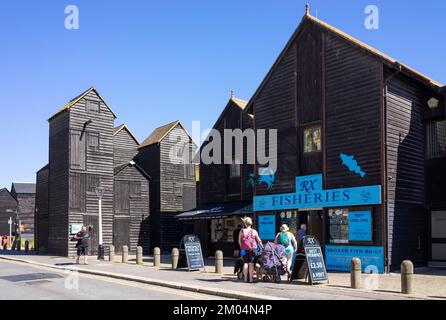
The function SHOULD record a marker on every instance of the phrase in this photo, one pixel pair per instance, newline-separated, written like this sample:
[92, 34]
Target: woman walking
[287, 239]
[248, 240]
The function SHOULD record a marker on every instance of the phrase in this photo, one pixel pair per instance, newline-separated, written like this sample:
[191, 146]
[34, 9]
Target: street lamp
[100, 194]
[10, 224]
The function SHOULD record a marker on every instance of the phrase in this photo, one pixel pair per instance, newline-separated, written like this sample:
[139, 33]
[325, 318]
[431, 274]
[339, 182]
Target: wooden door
[92, 222]
[121, 231]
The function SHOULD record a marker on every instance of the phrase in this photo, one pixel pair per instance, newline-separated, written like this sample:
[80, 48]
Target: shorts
[82, 251]
[249, 257]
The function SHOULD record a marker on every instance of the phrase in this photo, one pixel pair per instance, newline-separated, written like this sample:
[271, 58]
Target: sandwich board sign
[194, 254]
[315, 260]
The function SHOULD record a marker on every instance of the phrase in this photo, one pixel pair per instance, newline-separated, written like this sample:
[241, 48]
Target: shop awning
[218, 210]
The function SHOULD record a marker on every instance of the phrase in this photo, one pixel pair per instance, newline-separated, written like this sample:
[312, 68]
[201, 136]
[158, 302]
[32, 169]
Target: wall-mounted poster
[338, 225]
[337, 258]
[267, 227]
[360, 226]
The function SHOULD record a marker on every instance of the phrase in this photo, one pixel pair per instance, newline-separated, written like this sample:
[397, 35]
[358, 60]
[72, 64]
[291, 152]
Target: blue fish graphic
[351, 164]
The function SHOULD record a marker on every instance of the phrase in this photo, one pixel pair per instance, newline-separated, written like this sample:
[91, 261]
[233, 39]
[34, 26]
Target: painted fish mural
[266, 176]
[351, 164]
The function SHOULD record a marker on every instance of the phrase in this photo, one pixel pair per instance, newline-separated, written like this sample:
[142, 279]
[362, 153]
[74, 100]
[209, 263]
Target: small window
[93, 183]
[135, 189]
[189, 171]
[93, 141]
[178, 189]
[436, 139]
[312, 139]
[92, 106]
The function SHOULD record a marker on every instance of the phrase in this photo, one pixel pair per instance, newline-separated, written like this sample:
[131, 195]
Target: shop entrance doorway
[438, 236]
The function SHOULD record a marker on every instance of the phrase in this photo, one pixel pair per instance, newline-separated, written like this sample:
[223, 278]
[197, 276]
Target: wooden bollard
[26, 246]
[157, 257]
[175, 256]
[139, 260]
[125, 254]
[355, 273]
[219, 262]
[407, 272]
[111, 253]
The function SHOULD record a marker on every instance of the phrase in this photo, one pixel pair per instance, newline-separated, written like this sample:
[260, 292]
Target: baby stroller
[273, 262]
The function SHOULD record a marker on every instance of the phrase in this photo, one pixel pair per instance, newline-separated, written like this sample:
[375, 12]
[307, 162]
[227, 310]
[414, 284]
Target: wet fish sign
[315, 259]
[194, 254]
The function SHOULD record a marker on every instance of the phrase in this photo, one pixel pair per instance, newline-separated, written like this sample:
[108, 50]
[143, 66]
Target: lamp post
[17, 229]
[100, 194]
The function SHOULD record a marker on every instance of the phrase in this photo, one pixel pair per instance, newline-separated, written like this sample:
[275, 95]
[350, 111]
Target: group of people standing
[248, 241]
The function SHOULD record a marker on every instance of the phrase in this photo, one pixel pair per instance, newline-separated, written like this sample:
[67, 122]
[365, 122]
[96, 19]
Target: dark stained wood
[42, 211]
[7, 202]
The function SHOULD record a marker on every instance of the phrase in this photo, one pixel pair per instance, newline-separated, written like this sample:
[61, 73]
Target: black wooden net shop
[371, 132]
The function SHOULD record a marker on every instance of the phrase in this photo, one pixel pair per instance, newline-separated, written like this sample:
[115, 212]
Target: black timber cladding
[169, 184]
[42, 210]
[7, 202]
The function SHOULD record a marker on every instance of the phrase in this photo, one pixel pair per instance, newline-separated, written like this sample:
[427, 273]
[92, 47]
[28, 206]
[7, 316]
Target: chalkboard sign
[194, 255]
[315, 259]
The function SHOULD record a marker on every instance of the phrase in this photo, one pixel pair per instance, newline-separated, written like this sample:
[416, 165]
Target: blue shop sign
[360, 226]
[338, 258]
[310, 194]
[267, 227]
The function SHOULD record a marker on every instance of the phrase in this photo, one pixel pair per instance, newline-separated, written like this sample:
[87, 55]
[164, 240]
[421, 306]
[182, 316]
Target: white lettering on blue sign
[310, 194]
[338, 258]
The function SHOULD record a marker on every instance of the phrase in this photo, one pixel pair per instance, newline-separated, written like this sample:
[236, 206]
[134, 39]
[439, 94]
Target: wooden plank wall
[7, 202]
[407, 212]
[139, 227]
[58, 185]
[98, 163]
[353, 118]
[42, 213]
[125, 147]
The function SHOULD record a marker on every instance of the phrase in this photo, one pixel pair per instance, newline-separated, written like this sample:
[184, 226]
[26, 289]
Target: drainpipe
[385, 222]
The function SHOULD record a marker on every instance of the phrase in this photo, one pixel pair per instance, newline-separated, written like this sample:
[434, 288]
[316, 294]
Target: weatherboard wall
[7, 202]
[41, 230]
[98, 163]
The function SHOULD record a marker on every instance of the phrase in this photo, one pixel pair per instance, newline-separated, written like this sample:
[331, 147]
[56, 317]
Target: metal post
[10, 231]
[100, 194]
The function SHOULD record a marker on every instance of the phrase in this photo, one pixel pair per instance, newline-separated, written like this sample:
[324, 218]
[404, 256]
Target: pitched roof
[117, 169]
[23, 187]
[378, 54]
[239, 102]
[77, 99]
[124, 127]
[158, 134]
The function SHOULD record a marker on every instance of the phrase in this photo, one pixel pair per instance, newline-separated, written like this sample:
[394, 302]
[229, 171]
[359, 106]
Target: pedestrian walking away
[287, 239]
[82, 238]
[249, 241]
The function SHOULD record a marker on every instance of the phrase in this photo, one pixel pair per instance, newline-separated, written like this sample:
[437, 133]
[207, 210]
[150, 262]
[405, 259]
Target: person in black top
[235, 235]
[82, 239]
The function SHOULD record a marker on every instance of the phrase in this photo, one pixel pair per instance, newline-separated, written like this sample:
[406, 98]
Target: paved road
[19, 281]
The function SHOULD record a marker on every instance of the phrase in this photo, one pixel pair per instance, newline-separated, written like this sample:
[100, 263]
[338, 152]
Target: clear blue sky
[157, 61]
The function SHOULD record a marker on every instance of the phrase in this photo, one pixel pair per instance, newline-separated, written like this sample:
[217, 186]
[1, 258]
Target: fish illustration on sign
[266, 176]
[351, 164]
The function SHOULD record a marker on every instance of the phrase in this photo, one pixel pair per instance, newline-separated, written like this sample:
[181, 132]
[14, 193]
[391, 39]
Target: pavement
[380, 287]
[30, 282]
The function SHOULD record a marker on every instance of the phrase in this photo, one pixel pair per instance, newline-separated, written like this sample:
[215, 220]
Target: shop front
[215, 224]
[342, 219]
